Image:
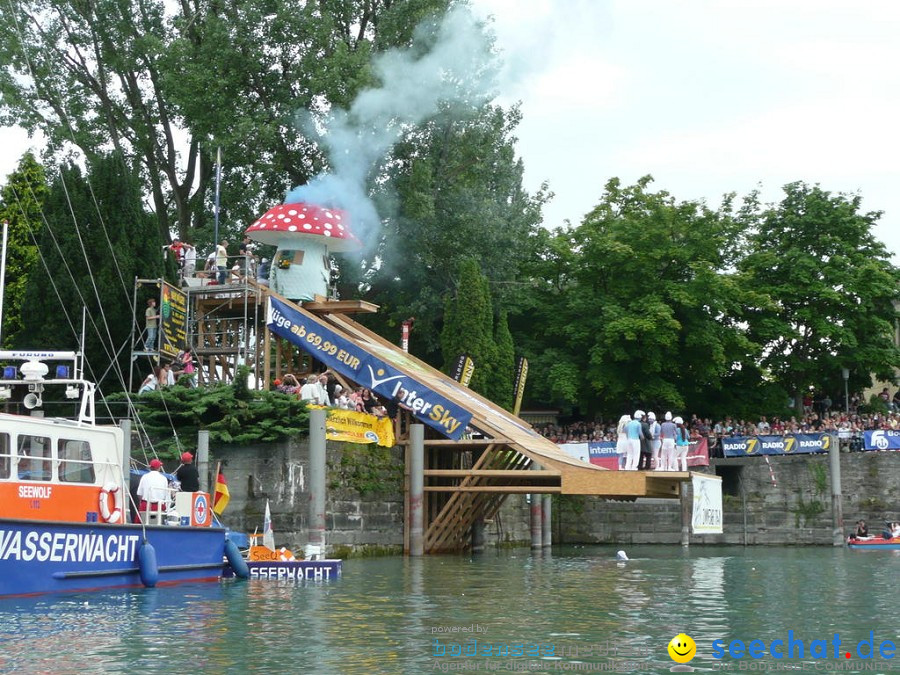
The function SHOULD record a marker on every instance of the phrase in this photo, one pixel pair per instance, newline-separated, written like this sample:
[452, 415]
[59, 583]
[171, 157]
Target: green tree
[825, 291]
[643, 310]
[166, 83]
[20, 205]
[97, 239]
[459, 195]
[469, 326]
[504, 365]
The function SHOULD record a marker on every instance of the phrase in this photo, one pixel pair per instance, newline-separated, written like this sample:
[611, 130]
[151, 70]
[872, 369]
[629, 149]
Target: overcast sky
[707, 96]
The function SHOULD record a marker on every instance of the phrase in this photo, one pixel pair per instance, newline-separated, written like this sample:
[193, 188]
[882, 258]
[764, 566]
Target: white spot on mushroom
[327, 233]
[307, 226]
[292, 228]
[327, 226]
[293, 212]
[270, 216]
[337, 215]
[287, 220]
[340, 227]
[329, 214]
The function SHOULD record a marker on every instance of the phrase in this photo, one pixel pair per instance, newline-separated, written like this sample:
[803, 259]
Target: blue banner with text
[795, 444]
[882, 439]
[352, 361]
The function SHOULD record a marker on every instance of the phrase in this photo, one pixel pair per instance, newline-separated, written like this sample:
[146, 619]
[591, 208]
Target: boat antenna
[3, 276]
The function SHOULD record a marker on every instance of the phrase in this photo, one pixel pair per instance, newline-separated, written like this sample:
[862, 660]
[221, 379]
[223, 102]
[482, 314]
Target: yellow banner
[357, 427]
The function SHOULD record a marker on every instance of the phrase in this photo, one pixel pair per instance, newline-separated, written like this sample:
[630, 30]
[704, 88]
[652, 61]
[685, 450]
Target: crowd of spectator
[324, 389]
[848, 427]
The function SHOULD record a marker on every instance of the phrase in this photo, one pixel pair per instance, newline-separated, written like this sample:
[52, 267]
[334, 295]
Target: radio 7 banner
[795, 444]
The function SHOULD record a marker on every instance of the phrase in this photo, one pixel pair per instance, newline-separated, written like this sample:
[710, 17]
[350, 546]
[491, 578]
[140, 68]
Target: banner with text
[882, 439]
[357, 427]
[706, 517]
[351, 360]
[173, 312]
[795, 444]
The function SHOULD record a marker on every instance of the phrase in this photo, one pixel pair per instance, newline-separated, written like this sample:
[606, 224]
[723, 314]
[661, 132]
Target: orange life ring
[115, 515]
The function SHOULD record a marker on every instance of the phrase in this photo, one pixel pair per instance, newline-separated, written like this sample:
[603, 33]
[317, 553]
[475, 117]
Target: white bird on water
[621, 556]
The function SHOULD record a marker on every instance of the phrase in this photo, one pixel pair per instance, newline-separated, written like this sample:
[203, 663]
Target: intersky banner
[352, 361]
[795, 444]
[882, 439]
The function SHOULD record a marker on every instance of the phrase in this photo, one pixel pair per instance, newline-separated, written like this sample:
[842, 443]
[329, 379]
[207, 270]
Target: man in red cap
[187, 474]
[153, 489]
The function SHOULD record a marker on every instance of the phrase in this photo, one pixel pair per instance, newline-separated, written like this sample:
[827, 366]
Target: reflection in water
[382, 615]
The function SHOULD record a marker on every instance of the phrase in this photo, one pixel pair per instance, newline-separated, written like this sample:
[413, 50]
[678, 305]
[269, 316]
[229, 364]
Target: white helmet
[638, 414]
[651, 416]
[668, 417]
[678, 420]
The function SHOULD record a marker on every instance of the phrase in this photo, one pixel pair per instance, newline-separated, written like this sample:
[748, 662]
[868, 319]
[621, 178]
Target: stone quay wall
[364, 504]
[794, 509]
[364, 499]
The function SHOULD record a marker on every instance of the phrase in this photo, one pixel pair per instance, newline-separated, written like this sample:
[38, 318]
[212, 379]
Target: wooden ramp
[494, 454]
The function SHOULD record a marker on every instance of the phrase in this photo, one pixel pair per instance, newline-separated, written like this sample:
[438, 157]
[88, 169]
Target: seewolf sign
[352, 361]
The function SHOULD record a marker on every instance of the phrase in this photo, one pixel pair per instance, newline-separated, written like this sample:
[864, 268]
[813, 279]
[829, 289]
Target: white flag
[268, 535]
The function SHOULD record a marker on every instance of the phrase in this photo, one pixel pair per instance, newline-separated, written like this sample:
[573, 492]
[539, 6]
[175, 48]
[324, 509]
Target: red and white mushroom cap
[284, 222]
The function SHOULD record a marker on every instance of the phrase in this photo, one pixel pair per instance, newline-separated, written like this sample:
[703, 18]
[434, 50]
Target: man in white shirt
[153, 489]
[190, 260]
[310, 390]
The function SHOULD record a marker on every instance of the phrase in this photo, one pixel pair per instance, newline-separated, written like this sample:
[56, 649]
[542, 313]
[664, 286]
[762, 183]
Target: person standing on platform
[190, 260]
[187, 474]
[622, 440]
[646, 446]
[635, 434]
[151, 322]
[682, 445]
[222, 260]
[667, 432]
[654, 440]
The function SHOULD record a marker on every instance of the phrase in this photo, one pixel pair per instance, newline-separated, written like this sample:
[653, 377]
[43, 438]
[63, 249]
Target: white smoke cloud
[448, 62]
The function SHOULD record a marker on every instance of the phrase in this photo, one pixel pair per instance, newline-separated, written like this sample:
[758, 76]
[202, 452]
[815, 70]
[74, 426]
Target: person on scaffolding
[151, 323]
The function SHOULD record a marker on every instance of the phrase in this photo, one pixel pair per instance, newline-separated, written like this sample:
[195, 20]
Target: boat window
[75, 463]
[34, 458]
[5, 459]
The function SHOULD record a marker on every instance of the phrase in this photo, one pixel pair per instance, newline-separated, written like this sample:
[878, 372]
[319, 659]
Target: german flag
[222, 496]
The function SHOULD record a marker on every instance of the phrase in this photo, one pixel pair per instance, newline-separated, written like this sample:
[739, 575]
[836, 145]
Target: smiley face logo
[682, 648]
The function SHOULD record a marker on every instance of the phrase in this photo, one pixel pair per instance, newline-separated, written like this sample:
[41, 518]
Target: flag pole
[218, 183]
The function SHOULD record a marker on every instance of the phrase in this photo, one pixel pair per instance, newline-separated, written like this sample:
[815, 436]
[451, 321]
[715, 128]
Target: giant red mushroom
[305, 234]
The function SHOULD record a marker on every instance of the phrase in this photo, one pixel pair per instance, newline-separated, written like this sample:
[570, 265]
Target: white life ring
[116, 514]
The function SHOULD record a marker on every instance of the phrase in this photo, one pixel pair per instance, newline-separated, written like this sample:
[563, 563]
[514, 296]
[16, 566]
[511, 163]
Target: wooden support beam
[509, 489]
[341, 307]
[490, 473]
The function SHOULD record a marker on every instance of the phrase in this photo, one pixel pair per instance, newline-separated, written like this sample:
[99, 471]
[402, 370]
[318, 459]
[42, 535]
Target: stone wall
[796, 509]
[364, 503]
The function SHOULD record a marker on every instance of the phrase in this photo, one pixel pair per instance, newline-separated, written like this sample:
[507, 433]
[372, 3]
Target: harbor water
[575, 609]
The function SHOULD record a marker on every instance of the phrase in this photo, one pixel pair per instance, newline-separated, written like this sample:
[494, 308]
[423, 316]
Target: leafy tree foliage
[826, 288]
[138, 76]
[231, 413]
[97, 238]
[642, 308]
[459, 196]
[20, 204]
